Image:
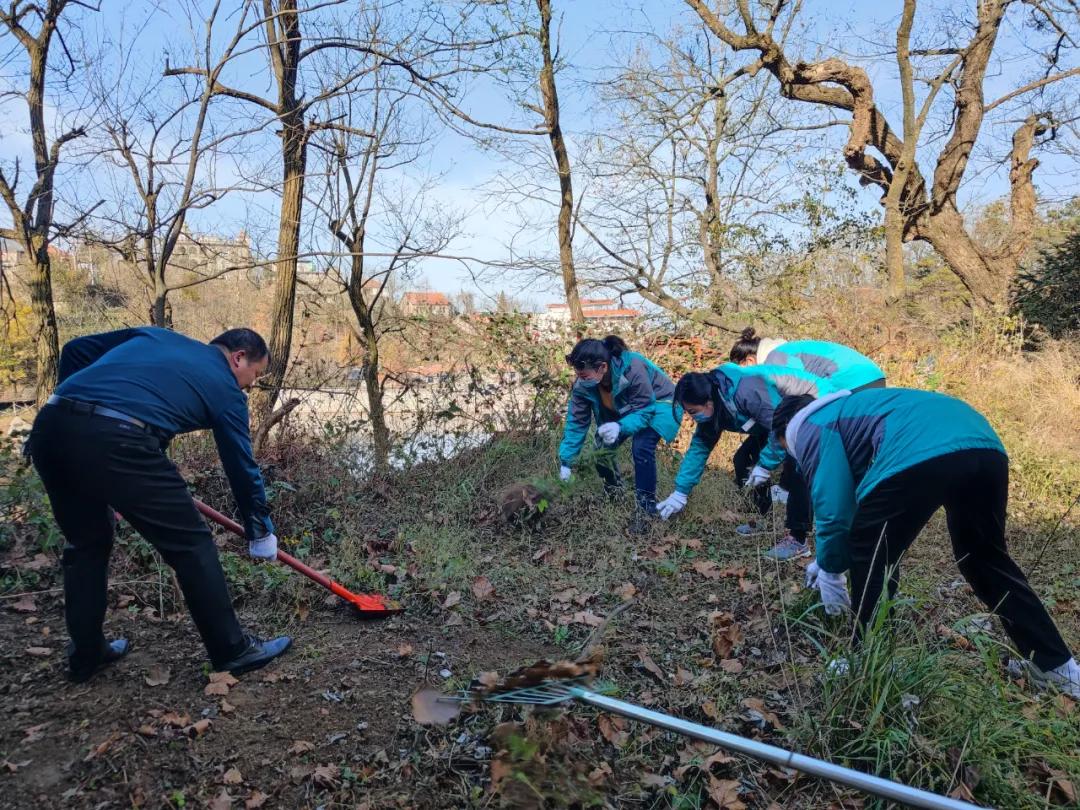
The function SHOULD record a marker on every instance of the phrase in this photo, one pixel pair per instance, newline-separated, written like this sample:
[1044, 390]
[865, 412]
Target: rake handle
[361, 601]
[875, 785]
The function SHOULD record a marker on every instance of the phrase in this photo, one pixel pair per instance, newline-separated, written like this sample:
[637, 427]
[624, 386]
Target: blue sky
[594, 34]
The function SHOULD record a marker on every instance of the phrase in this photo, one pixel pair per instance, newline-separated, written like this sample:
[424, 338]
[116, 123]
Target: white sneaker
[1066, 678]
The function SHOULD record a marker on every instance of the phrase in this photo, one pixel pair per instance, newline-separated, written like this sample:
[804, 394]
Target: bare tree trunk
[285, 57]
[48, 344]
[372, 371]
[550, 97]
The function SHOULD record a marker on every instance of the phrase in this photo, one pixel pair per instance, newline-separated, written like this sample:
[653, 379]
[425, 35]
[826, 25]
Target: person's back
[841, 365]
[885, 431]
[166, 379]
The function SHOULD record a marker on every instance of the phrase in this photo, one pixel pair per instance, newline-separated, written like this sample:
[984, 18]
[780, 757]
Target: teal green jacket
[846, 444]
[642, 395]
[839, 364]
[745, 396]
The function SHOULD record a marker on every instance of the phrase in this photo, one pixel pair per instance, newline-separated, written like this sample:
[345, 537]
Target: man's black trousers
[973, 486]
[91, 465]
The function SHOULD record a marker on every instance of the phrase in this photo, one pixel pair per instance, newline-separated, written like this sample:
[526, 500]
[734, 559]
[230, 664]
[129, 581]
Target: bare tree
[383, 233]
[162, 136]
[32, 221]
[916, 209]
[692, 178]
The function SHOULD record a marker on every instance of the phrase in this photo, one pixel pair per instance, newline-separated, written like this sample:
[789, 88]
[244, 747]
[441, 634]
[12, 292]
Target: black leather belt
[91, 409]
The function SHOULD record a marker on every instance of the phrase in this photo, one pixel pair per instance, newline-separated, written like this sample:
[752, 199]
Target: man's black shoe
[258, 654]
[111, 651]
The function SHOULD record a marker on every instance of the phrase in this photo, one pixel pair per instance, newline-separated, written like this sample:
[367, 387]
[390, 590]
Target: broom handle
[777, 756]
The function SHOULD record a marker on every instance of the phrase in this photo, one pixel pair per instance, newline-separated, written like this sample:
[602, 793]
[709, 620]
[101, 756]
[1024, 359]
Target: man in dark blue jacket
[99, 445]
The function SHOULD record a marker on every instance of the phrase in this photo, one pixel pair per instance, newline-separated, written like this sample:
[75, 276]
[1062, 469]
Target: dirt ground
[341, 695]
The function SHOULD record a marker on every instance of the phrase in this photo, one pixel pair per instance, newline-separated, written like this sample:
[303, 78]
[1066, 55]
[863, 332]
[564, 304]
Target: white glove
[670, 505]
[565, 473]
[834, 595]
[265, 548]
[812, 571]
[608, 432]
[758, 476]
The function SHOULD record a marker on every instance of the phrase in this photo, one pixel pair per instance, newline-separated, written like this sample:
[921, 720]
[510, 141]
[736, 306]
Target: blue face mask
[701, 418]
[587, 383]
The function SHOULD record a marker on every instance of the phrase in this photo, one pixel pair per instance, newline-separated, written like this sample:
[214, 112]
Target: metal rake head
[546, 693]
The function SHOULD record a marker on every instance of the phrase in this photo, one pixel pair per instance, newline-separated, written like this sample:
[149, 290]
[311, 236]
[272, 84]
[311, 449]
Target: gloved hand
[671, 504]
[608, 432]
[565, 473]
[812, 571]
[758, 476]
[265, 548]
[834, 594]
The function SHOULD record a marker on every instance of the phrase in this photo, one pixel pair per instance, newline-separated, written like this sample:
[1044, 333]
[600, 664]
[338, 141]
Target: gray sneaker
[788, 549]
[749, 529]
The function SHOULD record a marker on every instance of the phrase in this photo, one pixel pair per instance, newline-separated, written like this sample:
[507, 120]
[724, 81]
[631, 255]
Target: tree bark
[284, 56]
[372, 370]
[47, 360]
[550, 96]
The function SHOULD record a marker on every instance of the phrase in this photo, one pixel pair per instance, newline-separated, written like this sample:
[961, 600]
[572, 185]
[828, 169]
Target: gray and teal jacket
[844, 367]
[744, 397]
[642, 395]
[846, 444]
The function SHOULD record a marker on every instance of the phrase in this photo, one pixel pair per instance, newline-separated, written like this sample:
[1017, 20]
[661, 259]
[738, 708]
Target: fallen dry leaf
[746, 586]
[600, 774]
[726, 634]
[954, 638]
[488, 679]
[326, 776]
[34, 733]
[683, 677]
[710, 710]
[232, 777]
[626, 591]
[429, 707]
[198, 728]
[227, 708]
[404, 650]
[256, 800]
[707, 568]
[613, 729]
[734, 571]
[650, 665]
[588, 617]
[732, 666]
[40, 652]
[24, 604]
[482, 588]
[757, 705]
[452, 599]
[175, 720]
[725, 792]
[102, 746]
[146, 730]
[157, 675]
[223, 801]
[301, 747]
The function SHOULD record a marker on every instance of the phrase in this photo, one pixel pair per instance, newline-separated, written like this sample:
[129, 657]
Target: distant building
[206, 254]
[426, 304]
[602, 312]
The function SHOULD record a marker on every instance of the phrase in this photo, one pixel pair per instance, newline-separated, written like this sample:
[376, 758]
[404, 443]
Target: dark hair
[590, 353]
[693, 388]
[745, 346]
[243, 339]
[786, 410]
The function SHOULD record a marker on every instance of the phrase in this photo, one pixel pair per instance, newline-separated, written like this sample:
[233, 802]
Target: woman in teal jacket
[629, 397]
[841, 365]
[879, 464]
[742, 400]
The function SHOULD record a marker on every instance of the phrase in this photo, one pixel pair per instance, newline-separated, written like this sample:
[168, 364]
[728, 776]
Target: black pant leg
[744, 460]
[976, 514]
[149, 492]
[886, 523]
[800, 514]
[643, 452]
[86, 522]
